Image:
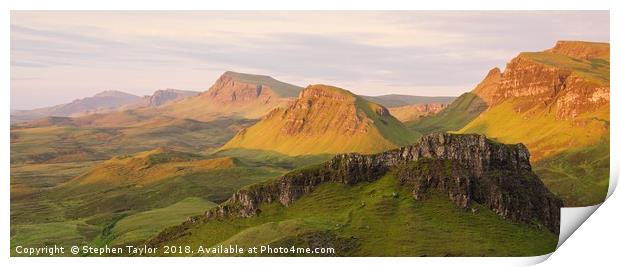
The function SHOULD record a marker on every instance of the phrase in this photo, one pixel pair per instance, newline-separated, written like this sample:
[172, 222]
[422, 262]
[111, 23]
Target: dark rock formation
[469, 168]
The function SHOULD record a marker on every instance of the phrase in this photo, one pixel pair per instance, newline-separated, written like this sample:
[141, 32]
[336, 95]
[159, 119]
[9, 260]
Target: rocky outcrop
[511, 191]
[488, 87]
[228, 89]
[313, 112]
[235, 95]
[234, 87]
[568, 79]
[161, 97]
[581, 50]
[469, 168]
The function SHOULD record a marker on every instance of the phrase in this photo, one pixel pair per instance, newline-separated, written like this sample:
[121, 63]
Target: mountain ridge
[107, 101]
[324, 119]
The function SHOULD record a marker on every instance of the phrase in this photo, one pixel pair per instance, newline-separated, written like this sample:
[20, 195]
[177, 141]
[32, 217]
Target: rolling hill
[324, 120]
[105, 202]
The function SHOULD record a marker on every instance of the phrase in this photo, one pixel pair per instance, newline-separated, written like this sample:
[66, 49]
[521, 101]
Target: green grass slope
[376, 219]
[141, 226]
[456, 115]
[580, 176]
[143, 184]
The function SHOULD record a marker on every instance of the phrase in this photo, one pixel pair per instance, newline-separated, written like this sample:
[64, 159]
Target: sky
[58, 56]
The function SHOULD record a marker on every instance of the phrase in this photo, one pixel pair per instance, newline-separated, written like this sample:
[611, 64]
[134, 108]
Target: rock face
[227, 89]
[581, 50]
[569, 79]
[161, 97]
[236, 95]
[325, 120]
[468, 168]
[313, 113]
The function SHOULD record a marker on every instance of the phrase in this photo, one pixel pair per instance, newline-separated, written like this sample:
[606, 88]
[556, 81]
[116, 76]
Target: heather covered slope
[447, 195]
[325, 120]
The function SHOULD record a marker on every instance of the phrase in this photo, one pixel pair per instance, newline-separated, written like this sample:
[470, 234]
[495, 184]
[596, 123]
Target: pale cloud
[59, 56]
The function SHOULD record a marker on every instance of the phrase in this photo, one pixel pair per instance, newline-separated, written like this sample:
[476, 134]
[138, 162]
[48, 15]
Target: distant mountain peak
[229, 78]
[113, 93]
[164, 96]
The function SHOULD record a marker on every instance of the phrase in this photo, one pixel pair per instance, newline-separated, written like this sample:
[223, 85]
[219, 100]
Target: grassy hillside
[91, 204]
[266, 158]
[30, 178]
[141, 226]
[456, 115]
[594, 69]
[333, 121]
[150, 167]
[376, 219]
[580, 176]
[571, 156]
[539, 130]
[56, 144]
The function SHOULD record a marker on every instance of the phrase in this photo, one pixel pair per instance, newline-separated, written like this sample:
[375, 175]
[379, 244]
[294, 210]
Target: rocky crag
[236, 95]
[161, 97]
[470, 169]
[569, 79]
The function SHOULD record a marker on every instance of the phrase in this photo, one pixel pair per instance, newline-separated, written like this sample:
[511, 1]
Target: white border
[289, 5]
